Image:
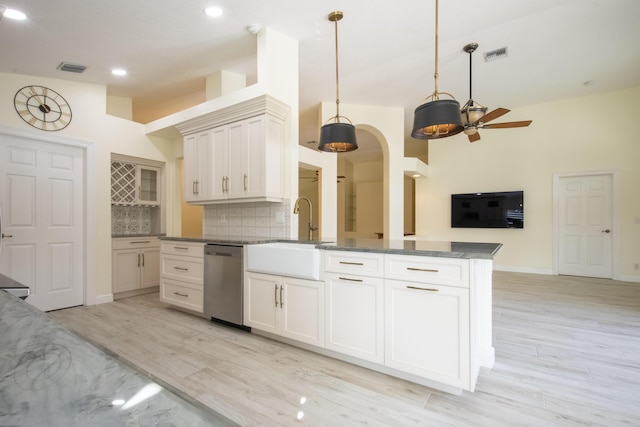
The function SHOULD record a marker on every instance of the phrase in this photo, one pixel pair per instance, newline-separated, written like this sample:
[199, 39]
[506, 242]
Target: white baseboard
[522, 270]
[103, 299]
[622, 278]
[629, 278]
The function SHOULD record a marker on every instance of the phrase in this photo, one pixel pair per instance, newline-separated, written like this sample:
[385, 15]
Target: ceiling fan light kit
[474, 116]
[337, 137]
[437, 118]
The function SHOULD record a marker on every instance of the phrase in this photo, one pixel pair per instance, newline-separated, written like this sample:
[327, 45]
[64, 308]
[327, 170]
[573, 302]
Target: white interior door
[585, 225]
[42, 201]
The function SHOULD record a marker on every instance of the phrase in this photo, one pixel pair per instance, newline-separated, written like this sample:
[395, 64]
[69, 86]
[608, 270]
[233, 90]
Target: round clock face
[42, 108]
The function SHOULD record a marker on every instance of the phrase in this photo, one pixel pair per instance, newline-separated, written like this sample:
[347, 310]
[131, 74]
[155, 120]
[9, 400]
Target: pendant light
[337, 136]
[437, 118]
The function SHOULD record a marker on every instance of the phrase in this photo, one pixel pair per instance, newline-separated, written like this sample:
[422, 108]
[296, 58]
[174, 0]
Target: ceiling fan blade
[507, 125]
[492, 115]
[474, 137]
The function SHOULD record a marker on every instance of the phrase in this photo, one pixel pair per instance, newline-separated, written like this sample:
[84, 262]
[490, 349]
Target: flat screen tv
[488, 210]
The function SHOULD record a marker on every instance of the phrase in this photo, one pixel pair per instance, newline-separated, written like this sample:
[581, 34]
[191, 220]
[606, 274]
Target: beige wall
[594, 133]
[107, 134]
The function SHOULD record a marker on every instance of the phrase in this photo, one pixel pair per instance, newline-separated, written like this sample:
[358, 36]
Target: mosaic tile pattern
[130, 220]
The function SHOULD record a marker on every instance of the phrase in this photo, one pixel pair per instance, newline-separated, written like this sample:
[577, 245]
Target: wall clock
[42, 108]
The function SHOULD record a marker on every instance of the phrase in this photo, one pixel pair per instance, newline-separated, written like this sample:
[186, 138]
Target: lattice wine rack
[123, 183]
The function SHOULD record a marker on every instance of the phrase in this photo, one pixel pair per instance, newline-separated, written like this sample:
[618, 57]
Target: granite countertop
[224, 240]
[119, 236]
[466, 250]
[13, 287]
[50, 376]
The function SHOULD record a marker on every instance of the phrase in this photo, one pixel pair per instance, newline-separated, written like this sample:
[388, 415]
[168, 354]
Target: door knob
[606, 231]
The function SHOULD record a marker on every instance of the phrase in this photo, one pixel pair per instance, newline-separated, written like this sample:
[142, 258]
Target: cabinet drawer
[360, 263]
[135, 242]
[182, 294]
[443, 271]
[183, 268]
[183, 248]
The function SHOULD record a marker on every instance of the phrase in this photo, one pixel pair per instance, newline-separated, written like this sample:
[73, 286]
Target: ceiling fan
[475, 116]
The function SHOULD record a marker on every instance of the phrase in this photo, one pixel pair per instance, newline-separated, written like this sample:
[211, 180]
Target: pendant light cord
[435, 75]
[337, 81]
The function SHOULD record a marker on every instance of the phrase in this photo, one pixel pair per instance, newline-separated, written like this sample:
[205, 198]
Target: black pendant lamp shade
[338, 137]
[437, 119]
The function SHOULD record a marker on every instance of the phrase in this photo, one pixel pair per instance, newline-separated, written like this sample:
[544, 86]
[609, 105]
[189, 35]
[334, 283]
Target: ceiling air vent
[496, 54]
[72, 68]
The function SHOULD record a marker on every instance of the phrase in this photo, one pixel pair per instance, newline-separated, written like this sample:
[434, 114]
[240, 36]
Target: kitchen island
[416, 309]
[50, 376]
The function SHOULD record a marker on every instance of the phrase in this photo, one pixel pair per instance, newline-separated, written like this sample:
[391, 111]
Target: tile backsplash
[130, 220]
[254, 219]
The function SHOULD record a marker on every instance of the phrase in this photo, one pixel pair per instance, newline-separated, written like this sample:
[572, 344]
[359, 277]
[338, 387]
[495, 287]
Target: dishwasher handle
[220, 254]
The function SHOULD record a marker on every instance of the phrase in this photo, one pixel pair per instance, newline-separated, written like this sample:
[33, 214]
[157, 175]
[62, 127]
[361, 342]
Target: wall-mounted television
[488, 210]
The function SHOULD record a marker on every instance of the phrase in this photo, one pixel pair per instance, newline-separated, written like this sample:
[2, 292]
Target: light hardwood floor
[567, 353]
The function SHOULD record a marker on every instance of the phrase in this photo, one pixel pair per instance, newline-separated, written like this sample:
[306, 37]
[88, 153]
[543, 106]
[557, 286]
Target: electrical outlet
[636, 266]
[280, 217]
[223, 219]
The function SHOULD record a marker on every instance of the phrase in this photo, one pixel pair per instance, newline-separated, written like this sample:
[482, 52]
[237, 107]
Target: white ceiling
[386, 50]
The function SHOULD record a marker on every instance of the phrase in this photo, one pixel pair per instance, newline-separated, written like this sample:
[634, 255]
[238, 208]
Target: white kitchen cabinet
[245, 162]
[354, 316]
[290, 307]
[198, 167]
[135, 264]
[424, 269]
[427, 331]
[354, 290]
[134, 184]
[182, 274]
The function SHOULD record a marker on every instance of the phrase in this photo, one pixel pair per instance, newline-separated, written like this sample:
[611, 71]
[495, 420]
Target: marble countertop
[466, 250]
[50, 376]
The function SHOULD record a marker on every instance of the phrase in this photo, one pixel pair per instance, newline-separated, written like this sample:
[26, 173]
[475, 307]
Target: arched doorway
[361, 189]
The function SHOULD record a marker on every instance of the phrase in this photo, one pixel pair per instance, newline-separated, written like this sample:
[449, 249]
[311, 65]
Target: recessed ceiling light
[213, 11]
[14, 14]
[119, 72]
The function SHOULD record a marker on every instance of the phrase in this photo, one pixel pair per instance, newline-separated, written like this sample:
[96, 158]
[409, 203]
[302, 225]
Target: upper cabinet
[198, 170]
[134, 184]
[237, 160]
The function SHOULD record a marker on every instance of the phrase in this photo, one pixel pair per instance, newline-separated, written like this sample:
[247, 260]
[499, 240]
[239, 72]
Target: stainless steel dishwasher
[223, 283]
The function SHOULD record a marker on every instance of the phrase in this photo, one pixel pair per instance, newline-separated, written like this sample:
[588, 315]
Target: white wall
[591, 133]
[108, 134]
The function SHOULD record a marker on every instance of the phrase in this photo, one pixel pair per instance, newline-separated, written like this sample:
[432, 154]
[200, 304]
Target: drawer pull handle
[275, 294]
[428, 270]
[351, 263]
[422, 289]
[181, 268]
[350, 280]
[140, 242]
[180, 248]
[281, 302]
[180, 294]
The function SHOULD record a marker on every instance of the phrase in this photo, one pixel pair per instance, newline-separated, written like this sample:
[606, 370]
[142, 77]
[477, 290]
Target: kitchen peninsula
[419, 310]
[50, 376]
